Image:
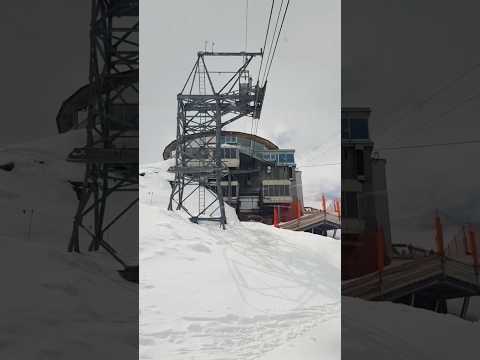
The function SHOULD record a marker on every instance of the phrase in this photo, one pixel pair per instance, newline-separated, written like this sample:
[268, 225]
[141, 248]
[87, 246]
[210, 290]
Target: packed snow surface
[248, 292]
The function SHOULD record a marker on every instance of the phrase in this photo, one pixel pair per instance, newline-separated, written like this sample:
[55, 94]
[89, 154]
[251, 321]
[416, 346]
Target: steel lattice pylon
[205, 106]
[111, 151]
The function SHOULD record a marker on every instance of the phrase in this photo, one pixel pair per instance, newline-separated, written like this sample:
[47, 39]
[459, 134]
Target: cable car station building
[260, 176]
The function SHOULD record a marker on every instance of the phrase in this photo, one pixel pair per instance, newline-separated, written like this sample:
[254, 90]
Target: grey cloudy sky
[394, 55]
[45, 50]
[302, 103]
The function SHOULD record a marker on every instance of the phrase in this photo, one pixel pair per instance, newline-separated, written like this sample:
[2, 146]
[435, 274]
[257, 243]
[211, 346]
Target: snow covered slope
[57, 305]
[377, 330]
[240, 293]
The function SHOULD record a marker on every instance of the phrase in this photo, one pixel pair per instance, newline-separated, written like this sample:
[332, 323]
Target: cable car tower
[111, 151]
[207, 103]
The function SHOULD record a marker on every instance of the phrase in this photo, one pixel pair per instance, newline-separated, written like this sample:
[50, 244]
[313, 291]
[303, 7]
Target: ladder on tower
[201, 199]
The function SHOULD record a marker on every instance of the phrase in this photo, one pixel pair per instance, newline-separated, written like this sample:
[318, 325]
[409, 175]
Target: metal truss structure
[111, 151]
[207, 103]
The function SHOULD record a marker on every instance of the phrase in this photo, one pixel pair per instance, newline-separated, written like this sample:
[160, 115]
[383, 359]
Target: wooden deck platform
[436, 276]
[325, 220]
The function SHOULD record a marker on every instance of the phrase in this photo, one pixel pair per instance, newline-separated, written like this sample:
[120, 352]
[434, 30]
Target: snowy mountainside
[383, 330]
[38, 188]
[58, 305]
[240, 293]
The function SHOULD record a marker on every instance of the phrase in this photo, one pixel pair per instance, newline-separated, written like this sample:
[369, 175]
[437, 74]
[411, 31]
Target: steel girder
[111, 152]
[205, 106]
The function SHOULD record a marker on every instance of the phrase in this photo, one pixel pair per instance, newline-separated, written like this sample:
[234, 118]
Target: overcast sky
[45, 48]
[395, 54]
[302, 103]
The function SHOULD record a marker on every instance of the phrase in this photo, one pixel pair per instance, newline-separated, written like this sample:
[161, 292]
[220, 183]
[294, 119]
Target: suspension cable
[278, 36]
[273, 39]
[265, 41]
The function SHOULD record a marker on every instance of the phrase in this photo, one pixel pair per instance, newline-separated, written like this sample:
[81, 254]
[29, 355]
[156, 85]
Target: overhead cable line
[259, 72]
[265, 41]
[418, 104]
[320, 165]
[272, 41]
[278, 37]
[421, 146]
[276, 44]
[246, 26]
[450, 110]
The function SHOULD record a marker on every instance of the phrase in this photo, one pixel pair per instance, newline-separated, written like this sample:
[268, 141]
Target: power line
[432, 95]
[450, 110]
[320, 165]
[420, 146]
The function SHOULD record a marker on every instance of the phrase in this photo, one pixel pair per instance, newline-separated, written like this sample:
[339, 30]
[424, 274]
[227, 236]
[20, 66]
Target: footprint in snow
[200, 248]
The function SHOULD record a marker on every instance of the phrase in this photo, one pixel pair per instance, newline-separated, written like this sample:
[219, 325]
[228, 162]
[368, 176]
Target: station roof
[267, 143]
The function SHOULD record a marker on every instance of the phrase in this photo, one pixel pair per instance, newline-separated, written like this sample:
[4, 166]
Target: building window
[225, 190]
[359, 128]
[276, 190]
[269, 156]
[286, 158]
[350, 204]
[229, 139]
[355, 129]
[229, 153]
[360, 163]
[345, 129]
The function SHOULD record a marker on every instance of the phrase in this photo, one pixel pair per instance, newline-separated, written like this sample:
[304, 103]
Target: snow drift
[240, 293]
[58, 305]
[383, 330]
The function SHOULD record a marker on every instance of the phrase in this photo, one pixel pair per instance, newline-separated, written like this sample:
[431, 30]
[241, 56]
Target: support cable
[255, 124]
[246, 26]
[272, 41]
[265, 41]
[427, 99]
[276, 43]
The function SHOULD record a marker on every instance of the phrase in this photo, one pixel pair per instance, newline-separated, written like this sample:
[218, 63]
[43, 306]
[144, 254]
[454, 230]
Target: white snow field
[382, 330]
[249, 292]
[55, 304]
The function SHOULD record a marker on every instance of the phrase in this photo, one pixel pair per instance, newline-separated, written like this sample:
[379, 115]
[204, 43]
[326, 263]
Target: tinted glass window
[345, 129]
[359, 128]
